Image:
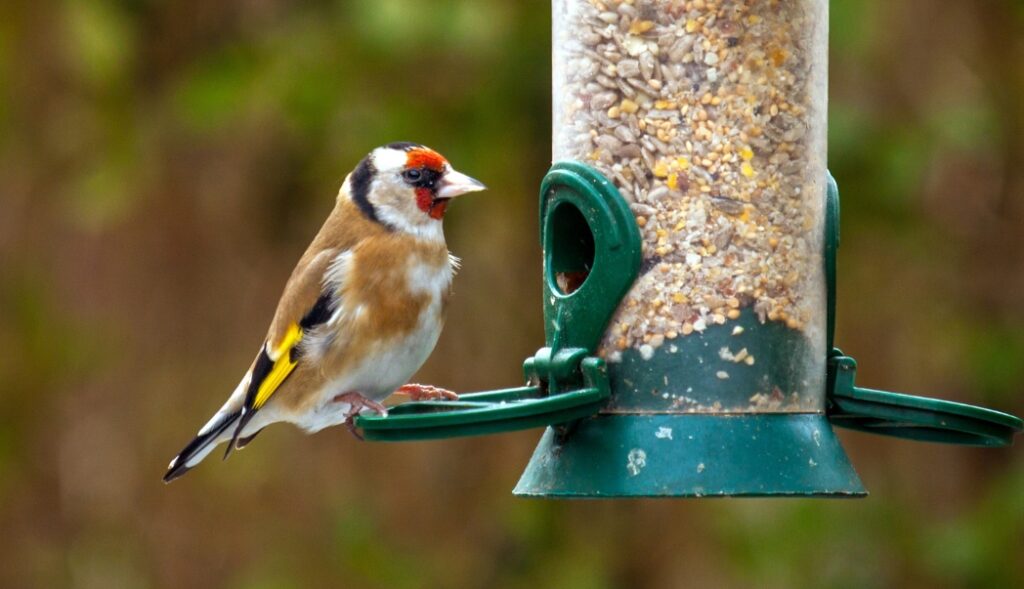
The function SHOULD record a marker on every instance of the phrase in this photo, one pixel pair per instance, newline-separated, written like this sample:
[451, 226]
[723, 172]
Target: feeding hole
[571, 256]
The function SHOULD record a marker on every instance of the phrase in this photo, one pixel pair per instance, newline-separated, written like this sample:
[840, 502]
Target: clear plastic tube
[710, 118]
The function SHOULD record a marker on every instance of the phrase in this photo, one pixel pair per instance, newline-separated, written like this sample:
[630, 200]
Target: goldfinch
[360, 313]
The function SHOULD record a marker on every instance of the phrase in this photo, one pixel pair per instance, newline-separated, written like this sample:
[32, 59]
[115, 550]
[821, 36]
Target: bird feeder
[689, 230]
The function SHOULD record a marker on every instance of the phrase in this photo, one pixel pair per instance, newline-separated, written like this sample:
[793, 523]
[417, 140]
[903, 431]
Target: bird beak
[454, 183]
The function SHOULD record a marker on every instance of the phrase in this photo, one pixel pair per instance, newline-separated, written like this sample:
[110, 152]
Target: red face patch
[425, 201]
[422, 157]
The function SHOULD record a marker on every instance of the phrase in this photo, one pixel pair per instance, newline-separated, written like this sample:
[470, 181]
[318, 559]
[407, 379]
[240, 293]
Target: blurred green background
[163, 165]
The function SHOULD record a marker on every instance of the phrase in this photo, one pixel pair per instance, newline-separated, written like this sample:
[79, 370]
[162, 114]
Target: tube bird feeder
[690, 228]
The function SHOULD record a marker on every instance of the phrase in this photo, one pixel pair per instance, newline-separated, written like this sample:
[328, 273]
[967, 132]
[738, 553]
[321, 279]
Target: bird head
[407, 186]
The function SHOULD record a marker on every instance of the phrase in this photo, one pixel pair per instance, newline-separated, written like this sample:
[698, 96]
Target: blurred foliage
[164, 163]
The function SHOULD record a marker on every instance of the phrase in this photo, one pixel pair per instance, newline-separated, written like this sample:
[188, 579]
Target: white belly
[387, 367]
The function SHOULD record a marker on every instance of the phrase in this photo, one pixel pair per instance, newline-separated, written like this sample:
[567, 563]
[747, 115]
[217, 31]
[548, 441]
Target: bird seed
[709, 117]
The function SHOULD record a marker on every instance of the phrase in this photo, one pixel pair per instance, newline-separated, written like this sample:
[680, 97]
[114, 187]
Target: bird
[361, 311]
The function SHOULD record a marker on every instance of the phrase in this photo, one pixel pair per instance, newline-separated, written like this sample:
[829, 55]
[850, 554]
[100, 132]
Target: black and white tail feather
[207, 439]
[226, 425]
[233, 422]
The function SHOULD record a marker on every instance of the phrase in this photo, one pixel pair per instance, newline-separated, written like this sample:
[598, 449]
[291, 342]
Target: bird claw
[357, 404]
[426, 392]
[350, 424]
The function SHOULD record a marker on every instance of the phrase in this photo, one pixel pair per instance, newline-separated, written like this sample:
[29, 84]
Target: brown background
[163, 164]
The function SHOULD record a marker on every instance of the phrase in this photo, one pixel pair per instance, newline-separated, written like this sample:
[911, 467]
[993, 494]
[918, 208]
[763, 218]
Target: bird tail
[202, 444]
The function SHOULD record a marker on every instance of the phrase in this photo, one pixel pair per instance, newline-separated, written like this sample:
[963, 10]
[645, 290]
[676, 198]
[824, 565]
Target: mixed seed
[709, 116]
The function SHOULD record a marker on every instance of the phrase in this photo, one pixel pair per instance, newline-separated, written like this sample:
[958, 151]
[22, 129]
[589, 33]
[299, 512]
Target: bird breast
[380, 343]
[390, 311]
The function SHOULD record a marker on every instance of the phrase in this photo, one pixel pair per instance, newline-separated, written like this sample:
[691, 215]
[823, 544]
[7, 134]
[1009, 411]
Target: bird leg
[357, 403]
[426, 392]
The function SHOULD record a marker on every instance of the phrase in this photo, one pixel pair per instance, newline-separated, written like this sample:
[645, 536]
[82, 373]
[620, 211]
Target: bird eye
[412, 175]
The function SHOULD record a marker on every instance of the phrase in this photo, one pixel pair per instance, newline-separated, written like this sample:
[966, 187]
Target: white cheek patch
[385, 158]
[424, 227]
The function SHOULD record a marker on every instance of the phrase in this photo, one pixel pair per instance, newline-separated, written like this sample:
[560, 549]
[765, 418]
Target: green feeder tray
[912, 417]
[896, 414]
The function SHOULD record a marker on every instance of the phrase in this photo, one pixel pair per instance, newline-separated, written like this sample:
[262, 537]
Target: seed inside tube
[709, 115]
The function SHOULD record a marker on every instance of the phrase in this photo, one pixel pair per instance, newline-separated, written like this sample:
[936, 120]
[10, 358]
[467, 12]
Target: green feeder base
[692, 455]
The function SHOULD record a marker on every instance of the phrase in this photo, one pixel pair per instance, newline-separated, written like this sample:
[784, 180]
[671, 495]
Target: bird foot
[357, 404]
[426, 392]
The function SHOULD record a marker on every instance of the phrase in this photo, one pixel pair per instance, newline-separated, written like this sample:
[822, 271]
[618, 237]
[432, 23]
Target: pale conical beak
[454, 183]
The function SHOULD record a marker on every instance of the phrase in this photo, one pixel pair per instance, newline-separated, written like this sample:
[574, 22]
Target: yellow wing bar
[283, 365]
